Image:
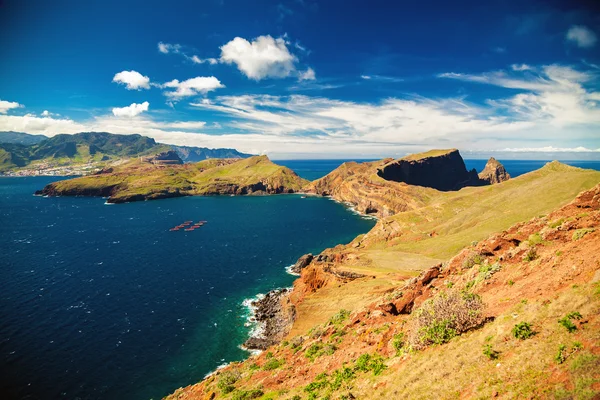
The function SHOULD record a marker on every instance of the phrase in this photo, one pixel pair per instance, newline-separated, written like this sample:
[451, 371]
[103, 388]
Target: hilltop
[164, 176]
[386, 187]
[428, 303]
[86, 152]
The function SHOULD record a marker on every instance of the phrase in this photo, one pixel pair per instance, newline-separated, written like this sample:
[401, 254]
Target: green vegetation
[272, 364]
[522, 331]
[445, 316]
[398, 342]
[367, 362]
[227, 380]
[489, 352]
[138, 180]
[340, 317]
[567, 322]
[579, 233]
[534, 239]
[427, 154]
[556, 224]
[247, 394]
[530, 255]
[472, 260]
[319, 349]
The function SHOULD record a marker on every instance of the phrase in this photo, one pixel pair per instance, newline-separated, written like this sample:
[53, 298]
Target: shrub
[446, 315]
[534, 239]
[489, 352]
[556, 224]
[486, 271]
[567, 323]
[272, 364]
[530, 255]
[227, 379]
[579, 233]
[367, 362]
[561, 356]
[398, 342]
[247, 394]
[522, 330]
[472, 260]
[340, 317]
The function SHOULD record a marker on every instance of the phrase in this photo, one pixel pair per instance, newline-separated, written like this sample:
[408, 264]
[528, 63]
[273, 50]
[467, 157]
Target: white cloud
[264, 57]
[549, 109]
[308, 75]
[198, 60]
[8, 105]
[131, 110]
[167, 48]
[581, 36]
[553, 94]
[192, 87]
[520, 67]
[551, 149]
[132, 80]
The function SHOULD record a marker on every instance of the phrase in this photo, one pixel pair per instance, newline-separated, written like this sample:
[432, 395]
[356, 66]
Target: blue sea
[104, 302]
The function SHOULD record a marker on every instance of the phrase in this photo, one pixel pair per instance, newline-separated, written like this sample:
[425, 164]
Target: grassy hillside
[22, 150]
[140, 180]
[514, 315]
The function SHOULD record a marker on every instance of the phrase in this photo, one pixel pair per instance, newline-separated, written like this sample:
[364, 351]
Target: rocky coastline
[274, 315]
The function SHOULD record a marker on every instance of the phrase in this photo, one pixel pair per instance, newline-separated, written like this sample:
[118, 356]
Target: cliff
[459, 298]
[387, 187]
[493, 172]
[438, 169]
[164, 176]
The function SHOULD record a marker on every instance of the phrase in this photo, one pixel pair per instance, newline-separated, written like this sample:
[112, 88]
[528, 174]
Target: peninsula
[444, 281]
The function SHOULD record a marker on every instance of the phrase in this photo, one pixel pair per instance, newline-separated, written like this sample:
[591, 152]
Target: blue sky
[307, 79]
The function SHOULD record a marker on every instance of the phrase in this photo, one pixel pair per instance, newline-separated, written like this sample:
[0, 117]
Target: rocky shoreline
[274, 315]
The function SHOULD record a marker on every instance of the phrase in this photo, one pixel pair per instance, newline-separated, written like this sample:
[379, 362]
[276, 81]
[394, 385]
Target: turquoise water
[105, 302]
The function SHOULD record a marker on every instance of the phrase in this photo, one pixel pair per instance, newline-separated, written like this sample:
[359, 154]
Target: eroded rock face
[493, 172]
[301, 263]
[442, 170]
[164, 158]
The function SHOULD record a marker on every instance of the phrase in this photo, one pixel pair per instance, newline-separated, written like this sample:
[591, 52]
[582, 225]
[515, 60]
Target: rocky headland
[518, 252]
[164, 175]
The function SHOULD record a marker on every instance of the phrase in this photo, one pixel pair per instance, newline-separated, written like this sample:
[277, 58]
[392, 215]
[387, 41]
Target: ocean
[105, 302]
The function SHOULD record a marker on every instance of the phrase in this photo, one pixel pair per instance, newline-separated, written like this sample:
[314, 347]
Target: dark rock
[445, 171]
[269, 313]
[301, 263]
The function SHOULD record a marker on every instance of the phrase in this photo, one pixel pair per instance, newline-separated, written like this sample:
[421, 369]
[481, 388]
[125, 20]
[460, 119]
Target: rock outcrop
[493, 172]
[164, 158]
[301, 263]
[274, 314]
[439, 169]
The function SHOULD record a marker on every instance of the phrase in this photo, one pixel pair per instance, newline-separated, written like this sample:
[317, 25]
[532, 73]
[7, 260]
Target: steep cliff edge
[164, 176]
[439, 169]
[387, 187]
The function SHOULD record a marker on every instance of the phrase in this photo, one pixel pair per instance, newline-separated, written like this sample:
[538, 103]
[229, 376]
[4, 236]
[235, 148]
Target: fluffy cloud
[8, 105]
[132, 80]
[555, 111]
[308, 75]
[192, 87]
[167, 48]
[581, 36]
[264, 57]
[131, 110]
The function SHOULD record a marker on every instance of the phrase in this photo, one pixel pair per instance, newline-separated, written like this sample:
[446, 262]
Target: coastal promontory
[164, 176]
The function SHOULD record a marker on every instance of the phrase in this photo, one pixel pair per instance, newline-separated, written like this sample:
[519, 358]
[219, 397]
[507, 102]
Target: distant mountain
[62, 150]
[21, 138]
[195, 154]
